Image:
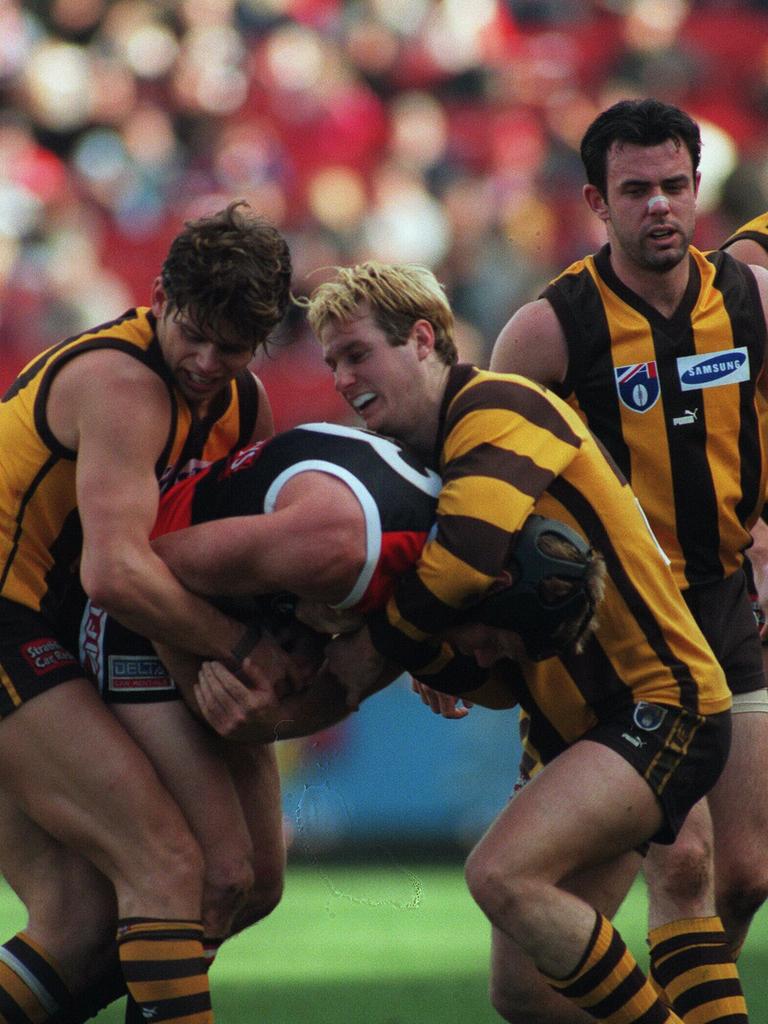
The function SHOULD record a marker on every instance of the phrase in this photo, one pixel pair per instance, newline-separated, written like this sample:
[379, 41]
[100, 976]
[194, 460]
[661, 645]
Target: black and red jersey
[397, 494]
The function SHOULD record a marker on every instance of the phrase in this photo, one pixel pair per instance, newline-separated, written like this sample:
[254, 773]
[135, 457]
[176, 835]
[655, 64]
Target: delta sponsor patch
[638, 385]
[45, 655]
[137, 674]
[713, 369]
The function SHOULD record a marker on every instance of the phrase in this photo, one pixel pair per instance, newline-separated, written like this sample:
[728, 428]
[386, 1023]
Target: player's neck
[663, 290]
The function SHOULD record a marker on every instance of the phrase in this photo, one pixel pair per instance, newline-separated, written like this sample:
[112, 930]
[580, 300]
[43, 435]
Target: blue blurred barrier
[395, 772]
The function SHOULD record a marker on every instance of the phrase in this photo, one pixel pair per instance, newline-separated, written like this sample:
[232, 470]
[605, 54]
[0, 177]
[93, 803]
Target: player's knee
[493, 890]
[517, 1005]
[741, 899]
[511, 1006]
[263, 898]
[227, 885]
[683, 872]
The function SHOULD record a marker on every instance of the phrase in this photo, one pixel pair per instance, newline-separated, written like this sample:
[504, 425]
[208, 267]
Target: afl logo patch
[713, 369]
[637, 385]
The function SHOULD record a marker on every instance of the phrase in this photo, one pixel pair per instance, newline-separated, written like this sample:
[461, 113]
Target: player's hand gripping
[441, 703]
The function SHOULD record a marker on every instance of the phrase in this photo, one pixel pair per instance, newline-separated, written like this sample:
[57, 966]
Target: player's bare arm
[761, 276]
[313, 545]
[92, 410]
[749, 251]
[532, 343]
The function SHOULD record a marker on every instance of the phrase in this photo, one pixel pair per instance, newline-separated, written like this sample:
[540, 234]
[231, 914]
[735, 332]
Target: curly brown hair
[230, 272]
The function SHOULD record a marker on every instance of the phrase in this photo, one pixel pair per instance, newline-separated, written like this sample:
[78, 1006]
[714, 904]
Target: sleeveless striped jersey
[40, 530]
[679, 402]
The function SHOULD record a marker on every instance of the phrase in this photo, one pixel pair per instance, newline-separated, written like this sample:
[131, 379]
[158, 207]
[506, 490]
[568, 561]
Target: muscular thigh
[71, 767]
[190, 763]
[586, 807]
[739, 801]
[257, 779]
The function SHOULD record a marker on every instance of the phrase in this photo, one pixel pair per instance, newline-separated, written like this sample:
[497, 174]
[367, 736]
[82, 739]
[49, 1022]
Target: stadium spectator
[138, 115]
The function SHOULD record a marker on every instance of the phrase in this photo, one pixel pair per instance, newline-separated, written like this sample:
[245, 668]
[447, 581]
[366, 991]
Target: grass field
[395, 944]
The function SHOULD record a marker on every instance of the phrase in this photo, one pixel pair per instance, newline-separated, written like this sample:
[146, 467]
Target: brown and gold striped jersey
[40, 532]
[510, 447]
[679, 402]
[756, 230]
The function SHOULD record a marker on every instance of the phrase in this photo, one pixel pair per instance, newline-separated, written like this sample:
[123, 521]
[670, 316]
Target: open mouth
[662, 234]
[361, 402]
[198, 382]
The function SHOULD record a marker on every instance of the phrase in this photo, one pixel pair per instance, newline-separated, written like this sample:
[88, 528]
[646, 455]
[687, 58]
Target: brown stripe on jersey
[484, 546]
[524, 398]
[501, 464]
[694, 494]
[579, 308]
[419, 606]
[585, 515]
[594, 675]
[41, 475]
[749, 329]
[755, 229]
[248, 401]
[540, 735]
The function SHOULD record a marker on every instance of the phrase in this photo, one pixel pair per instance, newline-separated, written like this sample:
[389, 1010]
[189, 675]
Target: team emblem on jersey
[713, 369]
[638, 385]
[648, 717]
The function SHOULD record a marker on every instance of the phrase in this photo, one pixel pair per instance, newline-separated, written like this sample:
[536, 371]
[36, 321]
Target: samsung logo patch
[714, 369]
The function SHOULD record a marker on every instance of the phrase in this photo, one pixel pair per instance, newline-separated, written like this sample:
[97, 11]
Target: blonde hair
[397, 296]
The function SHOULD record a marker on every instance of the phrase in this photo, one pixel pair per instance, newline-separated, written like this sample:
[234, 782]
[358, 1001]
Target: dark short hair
[231, 273]
[646, 122]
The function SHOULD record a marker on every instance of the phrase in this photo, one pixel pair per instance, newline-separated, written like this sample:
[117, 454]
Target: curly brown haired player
[89, 432]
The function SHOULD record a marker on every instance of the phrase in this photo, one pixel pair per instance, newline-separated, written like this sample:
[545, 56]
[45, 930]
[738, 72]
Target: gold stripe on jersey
[7, 684]
[695, 458]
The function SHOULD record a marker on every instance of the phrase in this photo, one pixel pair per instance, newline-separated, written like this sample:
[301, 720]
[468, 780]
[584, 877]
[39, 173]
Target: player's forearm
[138, 590]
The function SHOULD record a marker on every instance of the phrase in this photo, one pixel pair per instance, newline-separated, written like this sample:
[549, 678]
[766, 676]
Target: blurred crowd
[443, 132]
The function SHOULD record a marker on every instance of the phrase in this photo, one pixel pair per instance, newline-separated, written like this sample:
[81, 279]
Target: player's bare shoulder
[532, 343]
[104, 385]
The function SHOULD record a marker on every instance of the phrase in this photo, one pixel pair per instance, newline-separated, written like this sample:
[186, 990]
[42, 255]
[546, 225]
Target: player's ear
[423, 333]
[159, 298]
[503, 580]
[595, 201]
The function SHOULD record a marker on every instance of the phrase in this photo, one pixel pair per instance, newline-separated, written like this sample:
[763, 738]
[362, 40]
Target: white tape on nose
[661, 201]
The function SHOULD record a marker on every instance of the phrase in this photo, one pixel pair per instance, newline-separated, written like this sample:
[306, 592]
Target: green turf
[382, 945]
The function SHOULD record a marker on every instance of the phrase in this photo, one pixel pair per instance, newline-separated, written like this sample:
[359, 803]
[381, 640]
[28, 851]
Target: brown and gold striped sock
[165, 969]
[609, 985]
[691, 961]
[32, 989]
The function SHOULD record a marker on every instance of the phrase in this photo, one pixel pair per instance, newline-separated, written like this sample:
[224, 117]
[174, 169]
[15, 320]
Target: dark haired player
[661, 349]
[87, 432]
